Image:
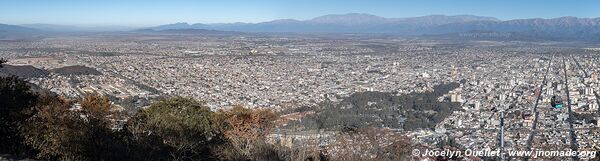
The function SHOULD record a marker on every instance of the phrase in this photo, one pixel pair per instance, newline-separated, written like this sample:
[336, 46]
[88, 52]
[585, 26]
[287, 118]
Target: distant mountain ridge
[189, 31]
[562, 27]
[15, 28]
[71, 28]
[352, 22]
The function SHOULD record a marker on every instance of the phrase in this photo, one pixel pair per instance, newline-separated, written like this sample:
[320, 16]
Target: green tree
[15, 99]
[182, 124]
[57, 132]
[103, 143]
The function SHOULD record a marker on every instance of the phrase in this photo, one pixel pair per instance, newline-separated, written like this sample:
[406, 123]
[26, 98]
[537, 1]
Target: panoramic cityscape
[346, 86]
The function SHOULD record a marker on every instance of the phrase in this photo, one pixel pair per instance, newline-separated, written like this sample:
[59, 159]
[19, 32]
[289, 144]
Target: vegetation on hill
[383, 109]
[15, 96]
[47, 127]
[26, 71]
[43, 126]
[76, 70]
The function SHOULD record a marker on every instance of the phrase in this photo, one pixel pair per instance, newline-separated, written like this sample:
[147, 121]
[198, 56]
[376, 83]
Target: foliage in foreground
[43, 126]
[47, 127]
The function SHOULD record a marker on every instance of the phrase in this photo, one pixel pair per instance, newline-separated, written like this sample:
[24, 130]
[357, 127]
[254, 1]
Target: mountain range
[554, 28]
[15, 28]
[345, 23]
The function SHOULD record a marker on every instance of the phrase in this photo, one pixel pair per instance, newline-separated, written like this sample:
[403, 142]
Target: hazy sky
[154, 12]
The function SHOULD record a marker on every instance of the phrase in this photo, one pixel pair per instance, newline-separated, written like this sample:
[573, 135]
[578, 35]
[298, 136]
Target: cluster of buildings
[501, 83]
